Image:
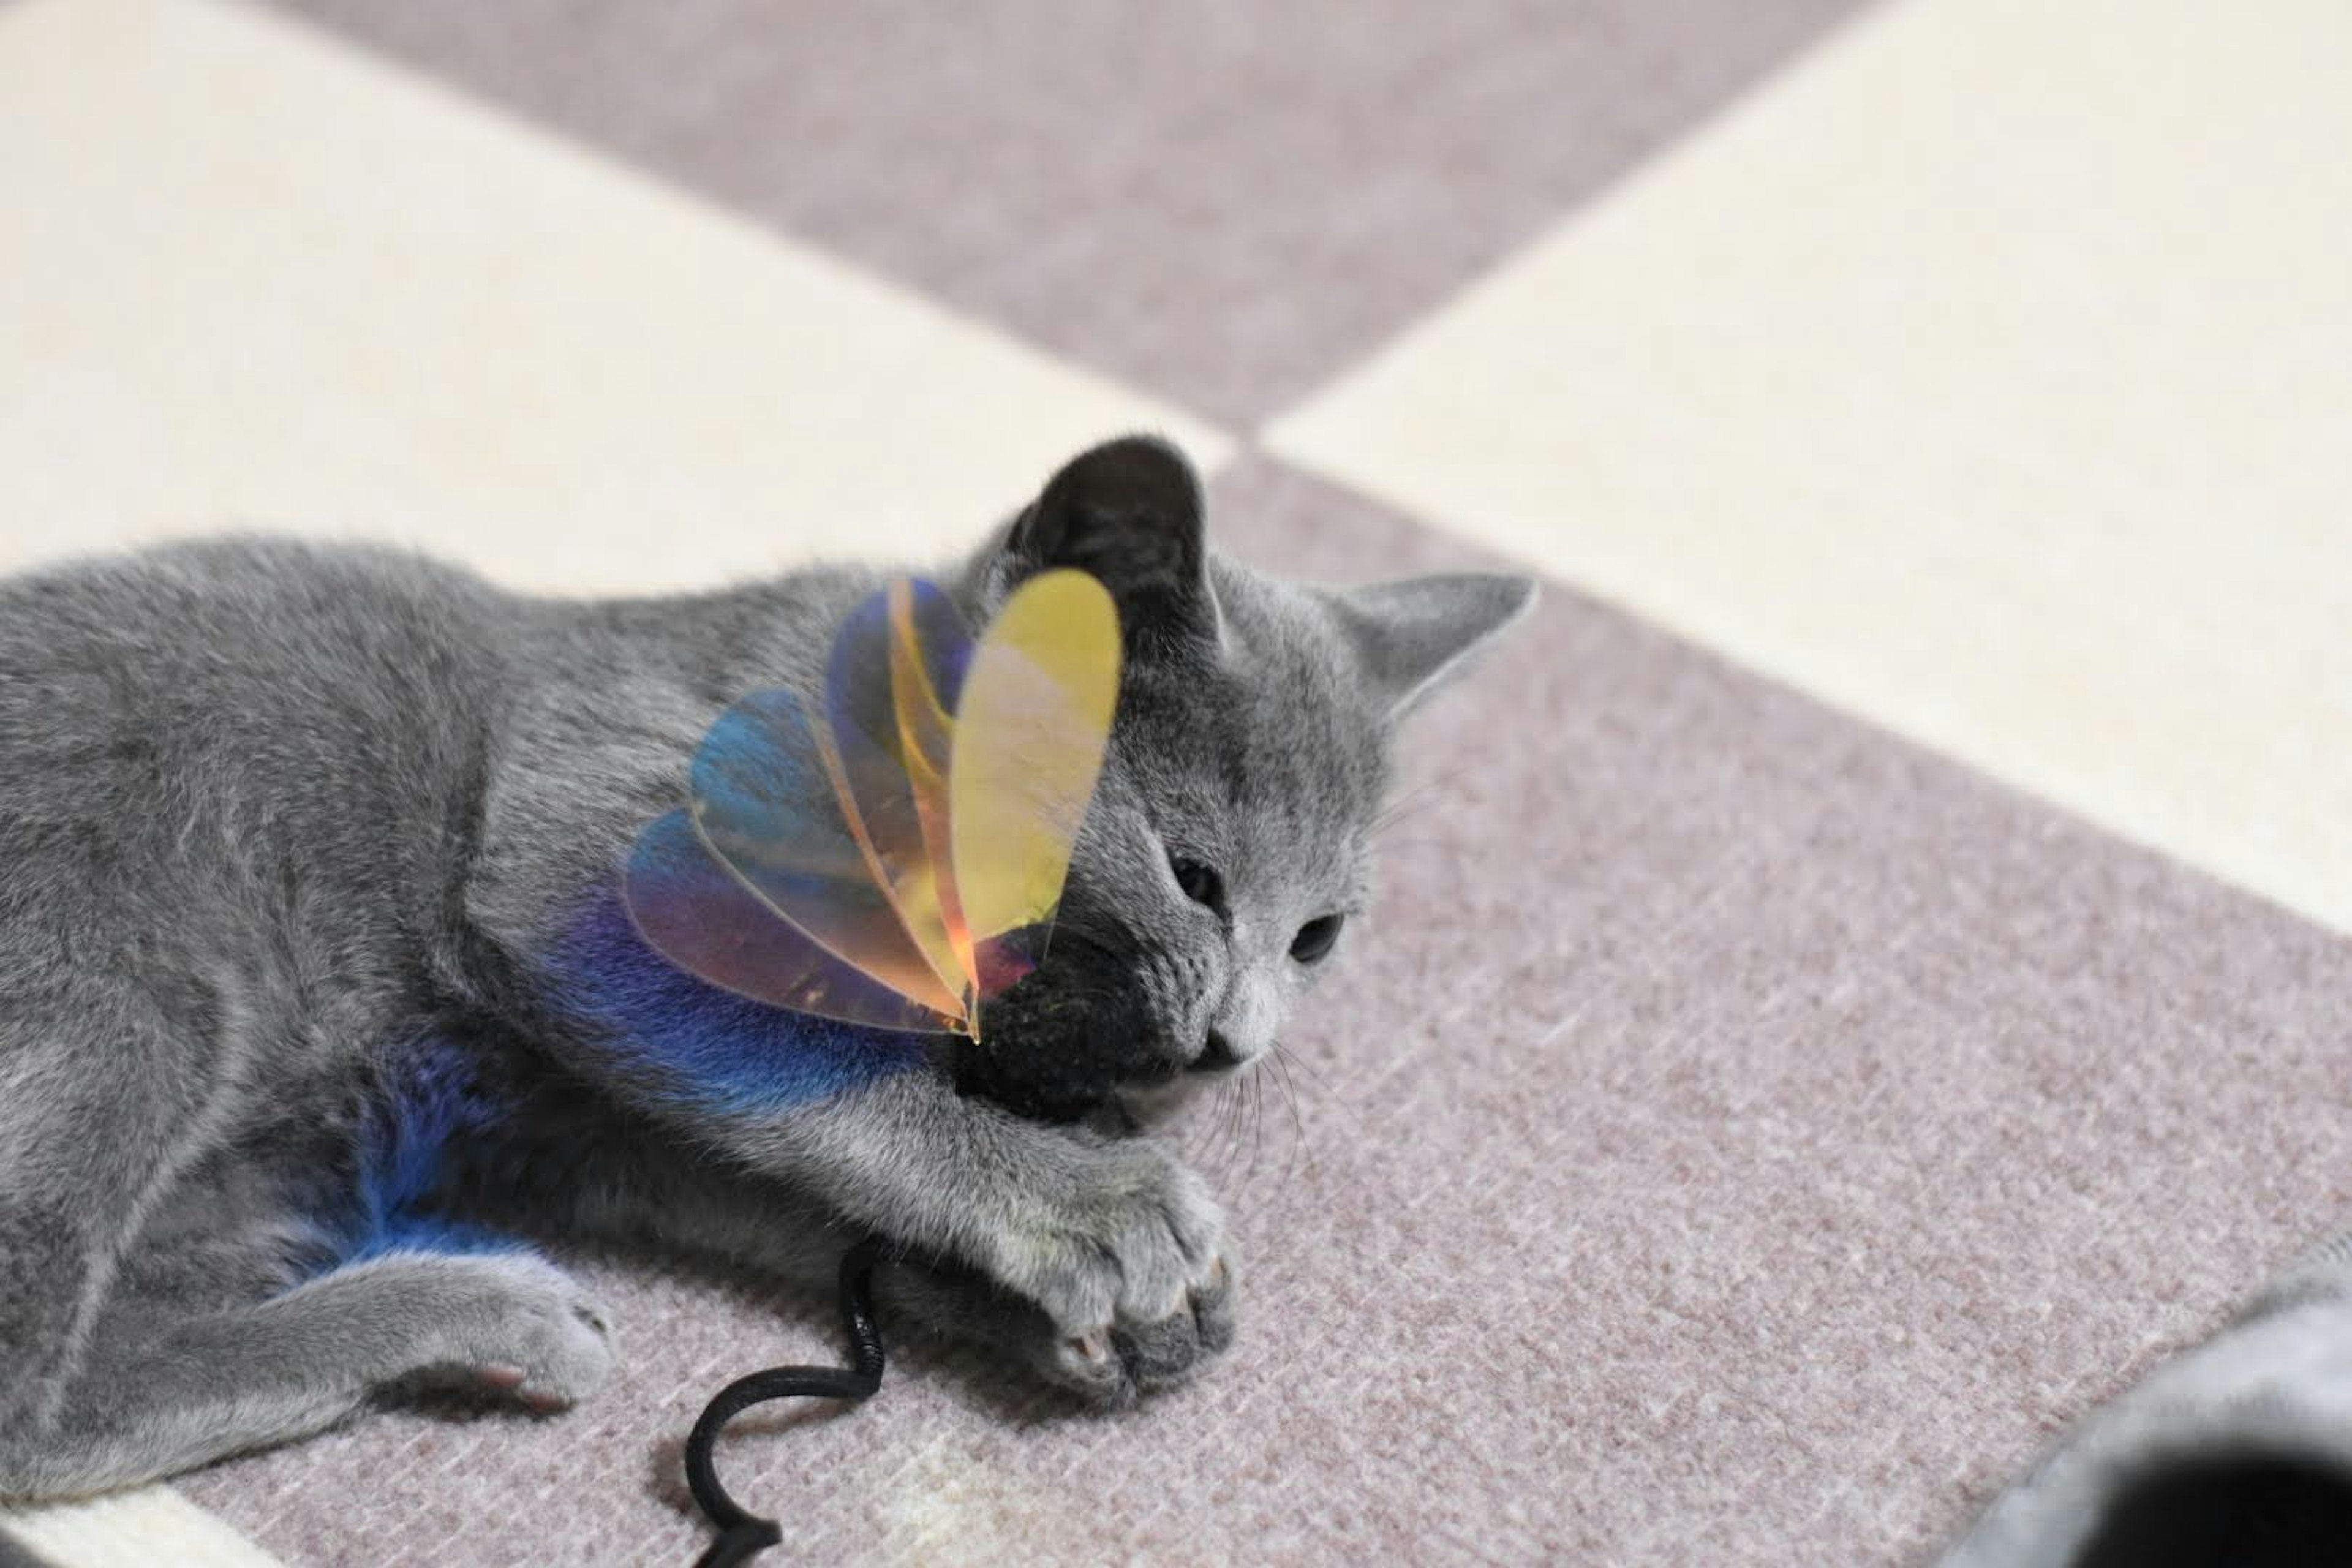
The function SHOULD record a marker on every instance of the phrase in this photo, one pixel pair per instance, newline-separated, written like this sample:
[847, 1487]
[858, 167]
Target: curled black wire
[744, 1535]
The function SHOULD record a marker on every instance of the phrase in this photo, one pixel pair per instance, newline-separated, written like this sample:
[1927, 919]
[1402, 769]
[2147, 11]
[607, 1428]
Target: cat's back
[210, 611]
[226, 690]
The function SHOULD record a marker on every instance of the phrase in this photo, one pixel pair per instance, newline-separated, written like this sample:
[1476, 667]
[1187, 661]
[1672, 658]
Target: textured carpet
[1861, 980]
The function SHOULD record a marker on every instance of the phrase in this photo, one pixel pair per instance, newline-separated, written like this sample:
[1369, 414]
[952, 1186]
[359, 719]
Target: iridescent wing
[891, 687]
[698, 914]
[1031, 727]
[902, 859]
[769, 799]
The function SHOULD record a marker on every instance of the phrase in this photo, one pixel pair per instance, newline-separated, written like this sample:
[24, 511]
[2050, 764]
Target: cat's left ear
[1413, 637]
[1130, 513]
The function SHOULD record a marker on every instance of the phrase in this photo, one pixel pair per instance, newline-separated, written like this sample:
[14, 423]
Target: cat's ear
[1414, 637]
[1128, 512]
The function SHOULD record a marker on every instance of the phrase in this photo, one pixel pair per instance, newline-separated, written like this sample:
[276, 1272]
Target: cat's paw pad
[528, 1331]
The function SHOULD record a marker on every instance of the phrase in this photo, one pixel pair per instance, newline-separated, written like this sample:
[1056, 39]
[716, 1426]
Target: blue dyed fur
[430, 1107]
[699, 1043]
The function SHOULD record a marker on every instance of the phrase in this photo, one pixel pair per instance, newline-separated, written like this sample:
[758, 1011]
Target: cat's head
[1226, 854]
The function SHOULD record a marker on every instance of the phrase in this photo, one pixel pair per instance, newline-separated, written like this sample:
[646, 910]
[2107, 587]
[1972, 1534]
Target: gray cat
[318, 1007]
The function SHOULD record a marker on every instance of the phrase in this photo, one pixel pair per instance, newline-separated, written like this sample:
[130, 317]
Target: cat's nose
[1216, 1056]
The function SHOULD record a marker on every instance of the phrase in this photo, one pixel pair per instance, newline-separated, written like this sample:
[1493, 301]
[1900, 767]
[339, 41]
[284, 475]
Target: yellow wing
[1032, 722]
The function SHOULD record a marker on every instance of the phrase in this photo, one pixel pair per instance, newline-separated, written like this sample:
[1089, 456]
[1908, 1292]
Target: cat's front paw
[1132, 1275]
[517, 1326]
[1118, 1365]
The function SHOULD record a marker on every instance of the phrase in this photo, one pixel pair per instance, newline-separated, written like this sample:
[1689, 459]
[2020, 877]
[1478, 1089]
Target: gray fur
[270, 813]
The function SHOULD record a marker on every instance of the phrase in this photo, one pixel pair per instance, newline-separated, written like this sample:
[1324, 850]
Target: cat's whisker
[1219, 1136]
[1258, 1122]
[1232, 1150]
[1201, 1142]
[1281, 1063]
[1297, 1115]
[1247, 1124]
[1404, 811]
[1433, 841]
[1323, 1086]
[1422, 795]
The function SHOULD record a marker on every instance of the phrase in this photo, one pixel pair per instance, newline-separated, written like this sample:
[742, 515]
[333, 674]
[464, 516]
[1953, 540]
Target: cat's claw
[544, 1401]
[1118, 1364]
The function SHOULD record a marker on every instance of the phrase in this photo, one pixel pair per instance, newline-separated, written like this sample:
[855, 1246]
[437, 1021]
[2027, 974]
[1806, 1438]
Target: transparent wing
[896, 668]
[768, 796]
[695, 912]
[1031, 727]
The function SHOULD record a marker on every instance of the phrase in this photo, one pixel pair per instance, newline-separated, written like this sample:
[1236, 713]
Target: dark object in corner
[741, 1534]
[2241, 1511]
[15, 1553]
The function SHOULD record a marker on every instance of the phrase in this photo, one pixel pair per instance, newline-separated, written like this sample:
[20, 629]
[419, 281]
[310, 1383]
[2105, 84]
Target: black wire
[744, 1535]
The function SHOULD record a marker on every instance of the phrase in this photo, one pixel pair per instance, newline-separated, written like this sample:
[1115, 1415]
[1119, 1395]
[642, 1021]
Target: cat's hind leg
[157, 1395]
[105, 1098]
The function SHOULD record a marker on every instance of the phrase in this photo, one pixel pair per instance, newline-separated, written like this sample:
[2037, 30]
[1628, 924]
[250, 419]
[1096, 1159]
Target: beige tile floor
[1986, 376]
[258, 279]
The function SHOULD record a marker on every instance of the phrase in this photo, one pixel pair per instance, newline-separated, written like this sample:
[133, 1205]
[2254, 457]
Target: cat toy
[742, 1534]
[893, 858]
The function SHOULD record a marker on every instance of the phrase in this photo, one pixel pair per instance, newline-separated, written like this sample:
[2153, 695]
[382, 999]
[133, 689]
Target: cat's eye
[1315, 939]
[1201, 883]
